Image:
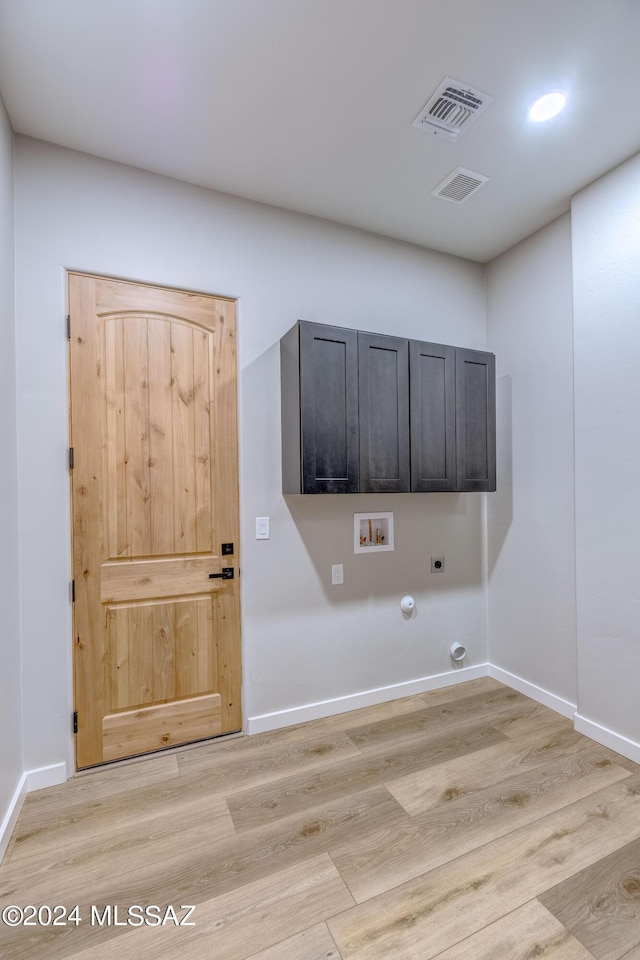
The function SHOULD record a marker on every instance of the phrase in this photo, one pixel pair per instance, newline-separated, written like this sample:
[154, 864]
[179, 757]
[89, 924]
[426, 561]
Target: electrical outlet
[337, 574]
[437, 564]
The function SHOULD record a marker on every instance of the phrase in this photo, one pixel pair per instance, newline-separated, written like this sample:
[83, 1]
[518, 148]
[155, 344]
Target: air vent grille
[459, 185]
[452, 109]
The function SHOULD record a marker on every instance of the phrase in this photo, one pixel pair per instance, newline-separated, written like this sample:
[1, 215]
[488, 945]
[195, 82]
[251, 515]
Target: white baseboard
[30, 780]
[11, 817]
[608, 738]
[49, 776]
[368, 698]
[539, 694]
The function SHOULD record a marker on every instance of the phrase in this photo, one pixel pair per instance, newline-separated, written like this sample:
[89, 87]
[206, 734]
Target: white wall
[11, 766]
[304, 641]
[606, 259]
[531, 561]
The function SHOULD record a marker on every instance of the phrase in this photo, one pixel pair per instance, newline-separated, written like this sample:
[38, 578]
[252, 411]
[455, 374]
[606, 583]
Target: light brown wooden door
[153, 394]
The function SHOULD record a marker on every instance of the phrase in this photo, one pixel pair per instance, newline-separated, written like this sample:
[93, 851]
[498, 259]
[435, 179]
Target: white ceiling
[308, 104]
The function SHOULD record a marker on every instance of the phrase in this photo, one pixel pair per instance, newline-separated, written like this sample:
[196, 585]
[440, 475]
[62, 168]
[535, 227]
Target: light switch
[262, 528]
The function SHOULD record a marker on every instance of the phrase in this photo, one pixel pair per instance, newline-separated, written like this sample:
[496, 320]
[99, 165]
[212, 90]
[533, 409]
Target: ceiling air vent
[452, 109]
[459, 185]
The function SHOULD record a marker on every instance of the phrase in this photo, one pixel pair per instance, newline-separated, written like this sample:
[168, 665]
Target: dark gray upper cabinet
[319, 370]
[433, 417]
[367, 413]
[383, 403]
[475, 420]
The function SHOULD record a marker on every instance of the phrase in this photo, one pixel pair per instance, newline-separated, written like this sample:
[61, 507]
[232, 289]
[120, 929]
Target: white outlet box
[337, 574]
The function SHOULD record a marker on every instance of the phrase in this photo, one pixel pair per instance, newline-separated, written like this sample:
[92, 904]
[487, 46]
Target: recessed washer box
[372, 532]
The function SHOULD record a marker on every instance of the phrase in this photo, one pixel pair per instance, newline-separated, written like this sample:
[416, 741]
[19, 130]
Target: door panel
[154, 728]
[158, 389]
[145, 579]
[153, 425]
[159, 651]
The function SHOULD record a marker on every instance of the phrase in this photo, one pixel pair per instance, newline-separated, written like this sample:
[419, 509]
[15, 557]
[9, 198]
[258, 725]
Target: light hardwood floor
[469, 823]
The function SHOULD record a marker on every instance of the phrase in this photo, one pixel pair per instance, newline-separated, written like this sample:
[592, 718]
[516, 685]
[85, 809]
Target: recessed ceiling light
[548, 106]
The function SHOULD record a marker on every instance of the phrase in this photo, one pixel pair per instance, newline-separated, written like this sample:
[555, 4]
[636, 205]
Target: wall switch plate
[437, 564]
[337, 574]
[262, 528]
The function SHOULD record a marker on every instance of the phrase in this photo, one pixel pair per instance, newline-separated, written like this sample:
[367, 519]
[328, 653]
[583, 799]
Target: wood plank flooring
[465, 824]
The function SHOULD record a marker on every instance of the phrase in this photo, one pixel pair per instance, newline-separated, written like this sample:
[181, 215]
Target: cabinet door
[383, 367]
[433, 417]
[328, 409]
[475, 420]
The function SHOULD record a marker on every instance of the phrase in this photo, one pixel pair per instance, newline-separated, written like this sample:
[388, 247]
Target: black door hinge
[71, 459]
[75, 721]
[73, 591]
[68, 326]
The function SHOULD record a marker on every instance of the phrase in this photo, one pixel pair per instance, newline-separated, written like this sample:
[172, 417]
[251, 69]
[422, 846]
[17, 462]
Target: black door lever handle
[228, 573]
